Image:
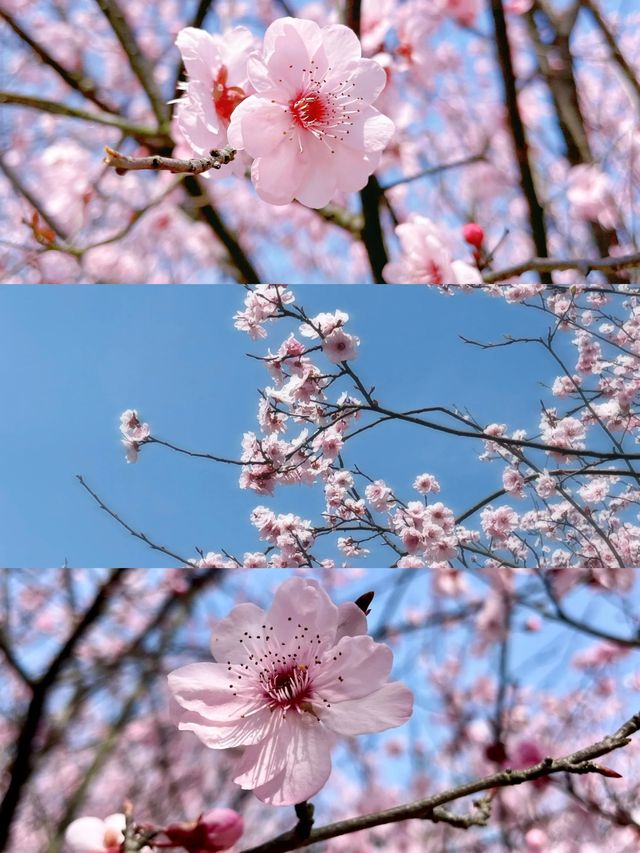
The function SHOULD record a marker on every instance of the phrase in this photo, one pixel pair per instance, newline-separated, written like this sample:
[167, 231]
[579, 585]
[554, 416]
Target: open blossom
[426, 258]
[310, 125]
[285, 683]
[339, 346]
[92, 835]
[216, 67]
[499, 523]
[425, 483]
[134, 433]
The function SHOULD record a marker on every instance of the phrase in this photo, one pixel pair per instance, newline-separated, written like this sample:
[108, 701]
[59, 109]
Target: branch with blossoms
[122, 164]
[317, 387]
[309, 668]
[334, 125]
[222, 828]
[580, 762]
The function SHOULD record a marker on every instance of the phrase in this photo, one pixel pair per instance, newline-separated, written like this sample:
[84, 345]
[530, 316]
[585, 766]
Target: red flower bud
[217, 830]
[473, 234]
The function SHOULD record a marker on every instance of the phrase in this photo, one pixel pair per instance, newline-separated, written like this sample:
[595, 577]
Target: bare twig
[196, 166]
[583, 265]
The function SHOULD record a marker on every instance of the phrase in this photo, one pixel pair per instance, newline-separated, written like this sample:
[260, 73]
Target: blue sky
[73, 358]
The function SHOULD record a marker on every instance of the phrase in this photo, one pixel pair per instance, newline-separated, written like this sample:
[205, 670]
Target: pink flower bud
[473, 234]
[217, 830]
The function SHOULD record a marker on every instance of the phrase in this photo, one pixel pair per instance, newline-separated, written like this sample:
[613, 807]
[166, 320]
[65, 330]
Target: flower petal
[292, 766]
[355, 667]
[386, 708]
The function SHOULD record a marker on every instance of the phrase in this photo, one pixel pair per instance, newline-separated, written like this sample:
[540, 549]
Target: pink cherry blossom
[134, 434]
[339, 346]
[216, 67]
[498, 523]
[425, 483]
[311, 126]
[286, 682]
[379, 495]
[92, 835]
[426, 257]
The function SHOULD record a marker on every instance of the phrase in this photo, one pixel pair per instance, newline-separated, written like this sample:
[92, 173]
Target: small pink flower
[286, 682]
[92, 835]
[216, 67]
[425, 483]
[215, 831]
[311, 126]
[426, 257]
[131, 427]
[339, 346]
[379, 495]
[513, 482]
[498, 523]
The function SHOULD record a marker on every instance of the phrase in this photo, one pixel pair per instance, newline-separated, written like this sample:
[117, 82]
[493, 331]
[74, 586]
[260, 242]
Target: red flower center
[308, 110]
[226, 98]
[288, 688]
[434, 273]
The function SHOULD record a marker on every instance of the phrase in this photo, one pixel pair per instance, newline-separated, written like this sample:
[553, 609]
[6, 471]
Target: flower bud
[217, 830]
[473, 234]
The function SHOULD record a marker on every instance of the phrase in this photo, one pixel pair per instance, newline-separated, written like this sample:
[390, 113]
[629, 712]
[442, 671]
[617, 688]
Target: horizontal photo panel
[335, 710]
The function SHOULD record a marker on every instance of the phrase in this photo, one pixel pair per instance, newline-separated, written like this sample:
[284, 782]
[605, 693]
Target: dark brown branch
[583, 265]
[140, 65]
[518, 134]
[136, 533]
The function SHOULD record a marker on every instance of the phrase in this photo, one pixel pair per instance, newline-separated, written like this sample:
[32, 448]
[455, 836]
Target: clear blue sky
[73, 358]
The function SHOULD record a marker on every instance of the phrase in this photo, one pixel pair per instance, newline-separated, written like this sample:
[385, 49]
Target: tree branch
[579, 762]
[518, 134]
[195, 166]
[76, 80]
[140, 65]
[138, 131]
[583, 265]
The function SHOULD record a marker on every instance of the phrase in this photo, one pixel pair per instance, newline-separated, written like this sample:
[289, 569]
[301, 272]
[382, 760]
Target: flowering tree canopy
[433, 141]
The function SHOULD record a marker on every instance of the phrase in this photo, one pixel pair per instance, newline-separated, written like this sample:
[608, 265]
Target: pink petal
[351, 621]
[292, 766]
[241, 732]
[361, 663]
[386, 708]
[305, 30]
[206, 689]
[225, 642]
[277, 176]
[200, 54]
[258, 126]
[85, 835]
[300, 601]
[341, 45]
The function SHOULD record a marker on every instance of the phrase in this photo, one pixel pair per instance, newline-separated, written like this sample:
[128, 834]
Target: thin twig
[195, 166]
